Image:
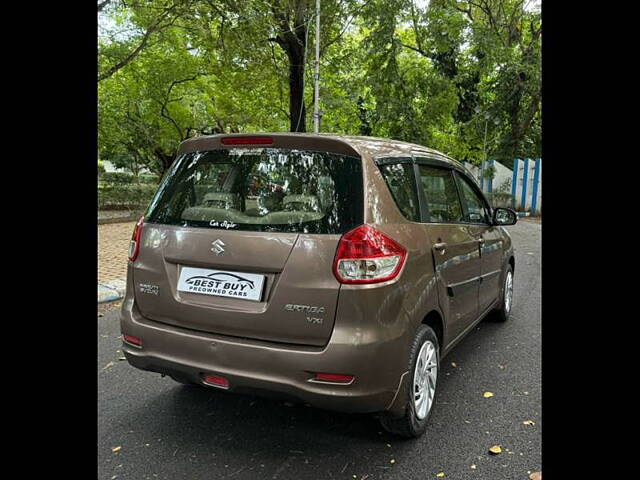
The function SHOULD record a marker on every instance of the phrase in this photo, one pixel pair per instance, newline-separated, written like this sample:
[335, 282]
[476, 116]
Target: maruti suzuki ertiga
[331, 270]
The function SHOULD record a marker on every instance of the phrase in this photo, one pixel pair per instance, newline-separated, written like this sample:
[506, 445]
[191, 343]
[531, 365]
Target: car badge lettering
[148, 288]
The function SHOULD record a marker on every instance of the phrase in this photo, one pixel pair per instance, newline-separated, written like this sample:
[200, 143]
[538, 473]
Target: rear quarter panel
[389, 313]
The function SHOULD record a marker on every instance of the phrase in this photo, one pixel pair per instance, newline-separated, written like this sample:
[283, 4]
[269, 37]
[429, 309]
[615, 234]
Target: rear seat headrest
[302, 203]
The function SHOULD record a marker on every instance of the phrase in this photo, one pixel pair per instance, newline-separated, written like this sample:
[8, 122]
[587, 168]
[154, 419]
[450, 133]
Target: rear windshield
[261, 189]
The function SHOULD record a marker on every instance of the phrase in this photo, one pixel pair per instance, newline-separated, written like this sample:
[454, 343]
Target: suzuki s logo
[217, 247]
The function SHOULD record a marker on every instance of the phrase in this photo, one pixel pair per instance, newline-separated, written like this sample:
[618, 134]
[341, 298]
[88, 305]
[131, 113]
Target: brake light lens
[366, 255]
[247, 141]
[134, 245]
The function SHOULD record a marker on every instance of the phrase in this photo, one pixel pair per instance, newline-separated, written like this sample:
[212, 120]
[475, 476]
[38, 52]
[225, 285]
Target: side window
[401, 182]
[476, 211]
[441, 193]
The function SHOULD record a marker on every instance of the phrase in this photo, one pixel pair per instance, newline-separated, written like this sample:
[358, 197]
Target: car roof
[372, 146]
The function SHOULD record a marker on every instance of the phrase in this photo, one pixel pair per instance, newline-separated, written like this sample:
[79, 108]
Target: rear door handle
[440, 246]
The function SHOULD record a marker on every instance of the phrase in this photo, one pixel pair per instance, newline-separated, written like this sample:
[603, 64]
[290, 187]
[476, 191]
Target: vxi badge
[307, 309]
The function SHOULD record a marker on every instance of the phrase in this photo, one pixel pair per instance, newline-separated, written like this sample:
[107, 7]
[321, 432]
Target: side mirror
[504, 216]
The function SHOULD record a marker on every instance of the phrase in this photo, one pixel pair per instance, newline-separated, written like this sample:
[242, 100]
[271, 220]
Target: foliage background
[463, 77]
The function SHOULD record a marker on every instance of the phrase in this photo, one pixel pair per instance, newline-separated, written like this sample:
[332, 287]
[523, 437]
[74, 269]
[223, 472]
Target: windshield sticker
[225, 224]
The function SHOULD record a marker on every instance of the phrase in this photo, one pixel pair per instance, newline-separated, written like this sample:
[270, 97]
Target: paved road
[167, 431]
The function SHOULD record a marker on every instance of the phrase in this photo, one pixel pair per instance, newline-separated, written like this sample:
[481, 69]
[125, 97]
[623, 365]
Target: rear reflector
[247, 141]
[132, 340]
[333, 378]
[216, 380]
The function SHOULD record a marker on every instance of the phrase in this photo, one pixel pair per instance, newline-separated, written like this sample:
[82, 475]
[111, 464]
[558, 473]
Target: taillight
[366, 255]
[134, 245]
[247, 141]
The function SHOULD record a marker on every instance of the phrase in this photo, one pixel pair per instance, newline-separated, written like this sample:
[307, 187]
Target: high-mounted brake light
[366, 255]
[134, 245]
[247, 141]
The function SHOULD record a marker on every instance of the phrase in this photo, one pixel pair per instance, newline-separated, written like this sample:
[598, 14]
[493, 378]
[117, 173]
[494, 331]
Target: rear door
[454, 244]
[477, 215]
[242, 243]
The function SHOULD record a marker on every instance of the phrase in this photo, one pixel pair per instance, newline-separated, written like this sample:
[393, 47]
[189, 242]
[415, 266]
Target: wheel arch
[434, 320]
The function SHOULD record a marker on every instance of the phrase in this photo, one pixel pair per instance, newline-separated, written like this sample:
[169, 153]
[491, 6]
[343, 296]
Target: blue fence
[526, 185]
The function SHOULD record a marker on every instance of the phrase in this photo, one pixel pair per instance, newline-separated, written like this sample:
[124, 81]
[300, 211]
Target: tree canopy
[460, 76]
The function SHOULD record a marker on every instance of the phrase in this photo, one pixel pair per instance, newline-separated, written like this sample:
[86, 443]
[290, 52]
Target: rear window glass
[262, 189]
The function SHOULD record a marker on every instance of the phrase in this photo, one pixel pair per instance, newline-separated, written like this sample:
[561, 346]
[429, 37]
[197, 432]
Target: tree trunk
[293, 41]
[297, 109]
[165, 161]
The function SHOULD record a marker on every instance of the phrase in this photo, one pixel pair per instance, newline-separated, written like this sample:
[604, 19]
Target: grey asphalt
[168, 431]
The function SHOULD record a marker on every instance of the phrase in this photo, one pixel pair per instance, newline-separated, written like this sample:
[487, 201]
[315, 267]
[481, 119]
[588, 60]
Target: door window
[441, 194]
[475, 210]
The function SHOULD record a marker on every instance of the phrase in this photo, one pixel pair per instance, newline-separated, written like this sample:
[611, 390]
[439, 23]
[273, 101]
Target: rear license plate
[221, 283]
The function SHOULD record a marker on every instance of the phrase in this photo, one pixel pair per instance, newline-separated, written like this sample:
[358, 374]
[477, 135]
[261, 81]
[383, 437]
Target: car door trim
[454, 289]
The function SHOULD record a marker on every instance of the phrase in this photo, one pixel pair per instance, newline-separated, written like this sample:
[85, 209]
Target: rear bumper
[268, 368]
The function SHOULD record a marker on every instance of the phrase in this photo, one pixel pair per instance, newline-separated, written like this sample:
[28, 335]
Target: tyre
[424, 365]
[501, 313]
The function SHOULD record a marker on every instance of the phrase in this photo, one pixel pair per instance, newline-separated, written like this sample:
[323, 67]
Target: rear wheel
[424, 365]
[501, 314]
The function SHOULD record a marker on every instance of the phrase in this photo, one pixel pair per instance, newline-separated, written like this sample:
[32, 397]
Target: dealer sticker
[221, 283]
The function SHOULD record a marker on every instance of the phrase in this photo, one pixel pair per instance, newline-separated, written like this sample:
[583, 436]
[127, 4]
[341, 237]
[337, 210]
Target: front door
[455, 249]
[477, 215]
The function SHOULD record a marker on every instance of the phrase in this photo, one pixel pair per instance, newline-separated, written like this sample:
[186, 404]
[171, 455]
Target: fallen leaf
[495, 450]
[535, 476]
[440, 475]
[529, 422]
[116, 449]
[487, 394]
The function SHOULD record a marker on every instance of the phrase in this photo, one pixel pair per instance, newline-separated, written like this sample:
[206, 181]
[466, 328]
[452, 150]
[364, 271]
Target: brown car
[330, 270]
